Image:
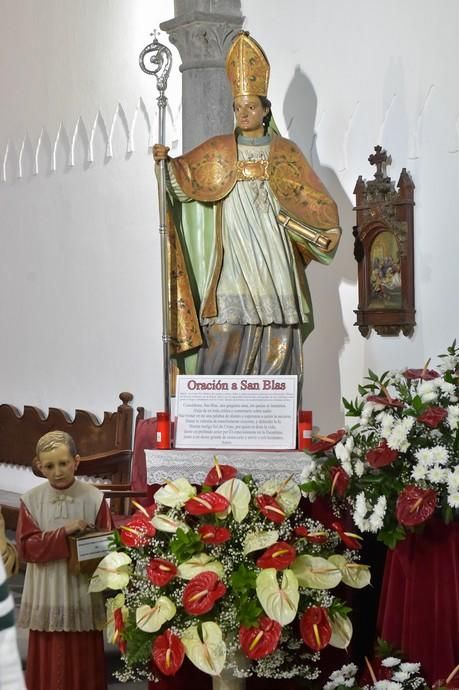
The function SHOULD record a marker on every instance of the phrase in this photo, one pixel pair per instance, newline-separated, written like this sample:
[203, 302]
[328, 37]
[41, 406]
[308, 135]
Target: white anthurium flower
[167, 524]
[356, 575]
[238, 495]
[255, 541]
[151, 618]
[341, 632]
[209, 653]
[113, 572]
[315, 572]
[175, 494]
[287, 493]
[200, 563]
[112, 605]
[279, 602]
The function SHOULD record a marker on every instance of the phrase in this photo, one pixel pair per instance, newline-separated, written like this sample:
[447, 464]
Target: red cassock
[60, 660]
[419, 609]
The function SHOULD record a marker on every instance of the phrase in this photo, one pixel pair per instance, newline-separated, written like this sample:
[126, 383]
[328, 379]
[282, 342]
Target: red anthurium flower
[315, 628]
[206, 503]
[260, 640]
[119, 625]
[415, 505]
[322, 443]
[220, 474]
[270, 508]
[351, 540]
[168, 653]
[381, 456]
[433, 416]
[424, 374]
[210, 534]
[160, 571]
[385, 400]
[312, 537]
[201, 593]
[279, 556]
[340, 480]
[137, 531]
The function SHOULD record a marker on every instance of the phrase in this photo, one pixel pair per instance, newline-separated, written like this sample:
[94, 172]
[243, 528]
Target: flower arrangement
[400, 462]
[231, 575]
[388, 673]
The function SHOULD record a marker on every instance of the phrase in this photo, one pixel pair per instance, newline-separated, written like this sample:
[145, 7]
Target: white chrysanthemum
[453, 416]
[410, 667]
[452, 479]
[387, 422]
[390, 661]
[437, 475]
[419, 472]
[398, 438]
[400, 676]
[446, 387]
[359, 468]
[368, 517]
[439, 455]
[427, 391]
[387, 685]
[453, 499]
[448, 363]
[424, 455]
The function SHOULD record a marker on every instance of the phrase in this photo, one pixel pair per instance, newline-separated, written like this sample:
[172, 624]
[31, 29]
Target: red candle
[304, 429]
[163, 426]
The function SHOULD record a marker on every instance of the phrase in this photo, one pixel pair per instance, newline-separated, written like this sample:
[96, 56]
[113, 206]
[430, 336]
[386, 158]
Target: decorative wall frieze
[61, 147]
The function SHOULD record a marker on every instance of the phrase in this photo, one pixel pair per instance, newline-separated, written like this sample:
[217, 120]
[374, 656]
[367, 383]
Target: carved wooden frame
[384, 251]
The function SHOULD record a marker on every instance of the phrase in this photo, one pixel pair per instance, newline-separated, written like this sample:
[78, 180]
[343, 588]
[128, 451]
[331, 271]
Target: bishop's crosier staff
[160, 58]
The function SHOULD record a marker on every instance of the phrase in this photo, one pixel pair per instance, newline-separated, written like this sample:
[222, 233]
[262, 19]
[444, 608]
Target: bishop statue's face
[249, 114]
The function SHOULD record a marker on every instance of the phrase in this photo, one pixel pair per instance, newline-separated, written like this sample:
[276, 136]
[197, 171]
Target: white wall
[79, 261]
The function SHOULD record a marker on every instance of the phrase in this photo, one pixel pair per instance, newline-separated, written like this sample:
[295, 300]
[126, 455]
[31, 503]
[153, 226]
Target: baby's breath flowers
[399, 464]
[232, 575]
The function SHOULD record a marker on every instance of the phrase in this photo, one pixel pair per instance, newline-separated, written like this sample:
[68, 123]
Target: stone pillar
[202, 31]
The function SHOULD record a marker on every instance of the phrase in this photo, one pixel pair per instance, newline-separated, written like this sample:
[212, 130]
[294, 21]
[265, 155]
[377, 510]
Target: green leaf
[185, 544]
[391, 536]
[372, 376]
[448, 514]
[243, 579]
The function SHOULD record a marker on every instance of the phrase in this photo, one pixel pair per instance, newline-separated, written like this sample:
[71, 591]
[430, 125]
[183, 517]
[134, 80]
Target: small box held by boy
[66, 647]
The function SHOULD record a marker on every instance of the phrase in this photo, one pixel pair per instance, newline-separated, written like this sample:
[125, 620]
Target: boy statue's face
[58, 466]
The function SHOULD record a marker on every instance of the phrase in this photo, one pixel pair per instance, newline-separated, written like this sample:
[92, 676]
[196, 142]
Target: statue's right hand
[160, 152]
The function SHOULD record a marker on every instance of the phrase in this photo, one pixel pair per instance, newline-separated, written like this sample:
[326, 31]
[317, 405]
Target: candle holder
[304, 429]
[163, 430]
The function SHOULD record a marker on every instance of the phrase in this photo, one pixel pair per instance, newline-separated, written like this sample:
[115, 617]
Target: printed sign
[236, 412]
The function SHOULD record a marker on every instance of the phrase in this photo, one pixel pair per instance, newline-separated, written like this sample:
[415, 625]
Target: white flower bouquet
[399, 464]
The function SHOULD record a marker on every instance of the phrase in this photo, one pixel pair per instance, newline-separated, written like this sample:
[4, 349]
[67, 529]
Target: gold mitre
[247, 67]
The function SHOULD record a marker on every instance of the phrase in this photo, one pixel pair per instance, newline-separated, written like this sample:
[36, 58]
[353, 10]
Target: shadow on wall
[322, 383]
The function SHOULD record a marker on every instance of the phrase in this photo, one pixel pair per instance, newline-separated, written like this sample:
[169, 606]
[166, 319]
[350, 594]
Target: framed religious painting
[383, 249]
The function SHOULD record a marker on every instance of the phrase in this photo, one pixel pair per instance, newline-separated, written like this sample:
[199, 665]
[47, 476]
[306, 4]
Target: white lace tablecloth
[195, 464]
